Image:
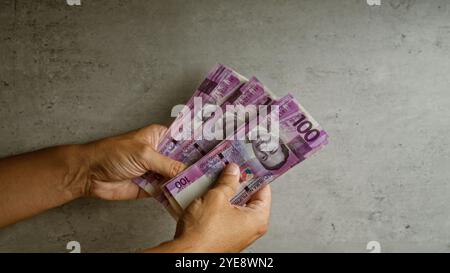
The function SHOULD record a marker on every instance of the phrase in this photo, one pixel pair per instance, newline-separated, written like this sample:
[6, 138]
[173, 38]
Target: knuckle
[158, 129]
[154, 127]
[215, 191]
[262, 229]
[192, 210]
[175, 168]
[196, 204]
[228, 188]
[145, 150]
[217, 194]
[261, 224]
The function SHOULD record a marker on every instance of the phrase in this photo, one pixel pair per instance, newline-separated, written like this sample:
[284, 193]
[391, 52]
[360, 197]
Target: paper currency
[251, 93]
[191, 150]
[261, 159]
[300, 136]
[217, 87]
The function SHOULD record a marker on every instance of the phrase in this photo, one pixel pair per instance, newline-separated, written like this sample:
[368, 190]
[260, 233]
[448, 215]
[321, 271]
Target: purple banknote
[251, 93]
[218, 86]
[299, 137]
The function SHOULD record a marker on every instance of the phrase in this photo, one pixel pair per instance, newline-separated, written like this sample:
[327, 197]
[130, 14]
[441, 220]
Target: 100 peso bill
[220, 83]
[190, 151]
[299, 137]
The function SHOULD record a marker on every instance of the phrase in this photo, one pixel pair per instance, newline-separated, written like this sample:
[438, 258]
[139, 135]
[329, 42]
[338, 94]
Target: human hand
[113, 162]
[212, 224]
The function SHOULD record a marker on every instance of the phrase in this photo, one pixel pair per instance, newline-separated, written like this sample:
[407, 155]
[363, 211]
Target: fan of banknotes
[260, 158]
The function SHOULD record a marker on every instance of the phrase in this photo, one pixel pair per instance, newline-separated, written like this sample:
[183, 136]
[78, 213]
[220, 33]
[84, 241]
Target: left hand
[113, 162]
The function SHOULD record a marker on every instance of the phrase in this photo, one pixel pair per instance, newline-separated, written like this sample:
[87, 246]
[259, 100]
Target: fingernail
[231, 169]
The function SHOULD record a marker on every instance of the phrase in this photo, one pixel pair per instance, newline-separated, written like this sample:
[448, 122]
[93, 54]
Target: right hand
[212, 224]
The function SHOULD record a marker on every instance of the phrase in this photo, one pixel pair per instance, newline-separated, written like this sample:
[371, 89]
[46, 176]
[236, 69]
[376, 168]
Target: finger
[262, 199]
[228, 181]
[153, 134]
[154, 128]
[164, 165]
[142, 194]
[160, 132]
[119, 190]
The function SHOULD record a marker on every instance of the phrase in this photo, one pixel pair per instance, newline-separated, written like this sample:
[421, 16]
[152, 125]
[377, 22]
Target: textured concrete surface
[377, 78]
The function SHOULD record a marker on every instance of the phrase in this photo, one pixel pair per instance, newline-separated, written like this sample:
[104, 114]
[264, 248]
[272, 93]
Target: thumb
[164, 165]
[228, 181]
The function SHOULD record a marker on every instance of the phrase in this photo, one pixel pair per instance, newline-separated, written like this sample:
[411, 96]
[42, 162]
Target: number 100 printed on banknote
[262, 155]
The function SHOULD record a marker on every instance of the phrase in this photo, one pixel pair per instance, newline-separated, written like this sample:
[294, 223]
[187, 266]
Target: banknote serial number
[233, 262]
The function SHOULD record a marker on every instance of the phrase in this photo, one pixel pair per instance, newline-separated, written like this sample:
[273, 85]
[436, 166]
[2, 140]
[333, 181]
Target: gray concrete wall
[377, 78]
